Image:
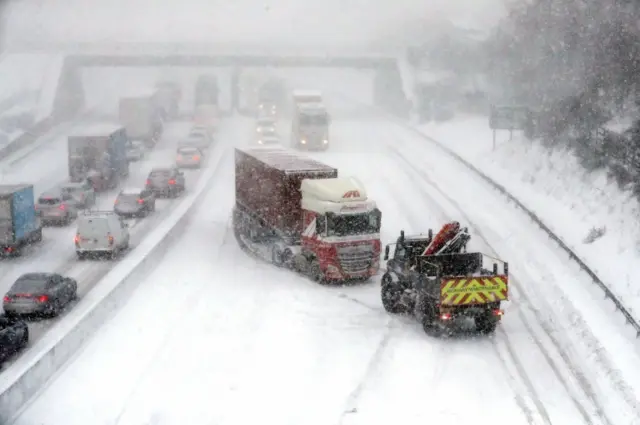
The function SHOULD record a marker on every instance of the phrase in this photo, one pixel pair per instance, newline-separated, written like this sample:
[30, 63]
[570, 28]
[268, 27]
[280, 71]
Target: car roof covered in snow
[51, 193]
[131, 191]
[284, 160]
[99, 129]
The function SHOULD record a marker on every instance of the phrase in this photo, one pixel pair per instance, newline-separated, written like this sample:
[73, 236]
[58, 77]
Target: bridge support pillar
[235, 88]
[69, 98]
[388, 91]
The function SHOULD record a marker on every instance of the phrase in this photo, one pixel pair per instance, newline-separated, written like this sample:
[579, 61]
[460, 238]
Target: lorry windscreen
[353, 224]
[313, 119]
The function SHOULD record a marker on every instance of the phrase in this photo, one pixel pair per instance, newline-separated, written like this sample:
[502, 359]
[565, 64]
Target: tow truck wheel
[429, 320]
[391, 293]
[486, 323]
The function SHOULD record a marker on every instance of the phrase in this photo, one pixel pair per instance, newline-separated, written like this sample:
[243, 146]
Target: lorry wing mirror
[401, 237]
[386, 253]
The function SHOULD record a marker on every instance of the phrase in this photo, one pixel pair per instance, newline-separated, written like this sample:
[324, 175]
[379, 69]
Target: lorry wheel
[37, 236]
[315, 272]
[390, 293]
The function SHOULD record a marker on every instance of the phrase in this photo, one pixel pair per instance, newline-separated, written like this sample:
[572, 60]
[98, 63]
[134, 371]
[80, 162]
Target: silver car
[166, 181]
[54, 208]
[189, 157]
[40, 294]
[135, 202]
[81, 194]
[199, 141]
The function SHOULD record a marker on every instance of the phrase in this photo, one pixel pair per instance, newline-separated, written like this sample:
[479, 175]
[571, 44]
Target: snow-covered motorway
[47, 166]
[213, 336]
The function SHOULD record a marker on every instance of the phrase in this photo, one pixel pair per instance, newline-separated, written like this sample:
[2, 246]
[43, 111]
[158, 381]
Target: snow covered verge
[32, 370]
[588, 211]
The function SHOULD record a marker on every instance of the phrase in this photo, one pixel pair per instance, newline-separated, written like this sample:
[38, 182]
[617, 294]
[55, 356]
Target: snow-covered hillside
[569, 200]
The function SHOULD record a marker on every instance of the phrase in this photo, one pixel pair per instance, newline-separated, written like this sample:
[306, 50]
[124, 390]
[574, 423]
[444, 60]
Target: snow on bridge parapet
[204, 49]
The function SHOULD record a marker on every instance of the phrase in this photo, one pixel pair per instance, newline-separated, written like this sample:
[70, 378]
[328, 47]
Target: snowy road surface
[47, 167]
[213, 337]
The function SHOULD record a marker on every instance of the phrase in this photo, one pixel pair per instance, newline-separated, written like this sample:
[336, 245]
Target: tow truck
[435, 279]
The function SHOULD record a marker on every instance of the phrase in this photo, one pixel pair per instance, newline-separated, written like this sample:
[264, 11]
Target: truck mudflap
[476, 290]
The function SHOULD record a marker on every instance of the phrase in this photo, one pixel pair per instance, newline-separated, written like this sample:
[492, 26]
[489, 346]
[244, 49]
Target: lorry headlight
[259, 130]
[325, 141]
[259, 142]
[304, 142]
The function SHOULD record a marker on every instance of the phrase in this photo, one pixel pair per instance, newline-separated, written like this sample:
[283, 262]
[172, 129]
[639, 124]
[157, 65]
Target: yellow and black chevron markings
[474, 290]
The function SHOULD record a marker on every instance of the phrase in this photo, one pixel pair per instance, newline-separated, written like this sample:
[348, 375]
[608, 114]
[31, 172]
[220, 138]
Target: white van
[101, 233]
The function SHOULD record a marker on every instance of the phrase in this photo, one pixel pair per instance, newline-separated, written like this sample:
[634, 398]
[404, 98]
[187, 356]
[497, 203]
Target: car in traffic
[166, 181]
[135, 202]
[14, 336]
[101, 234]
[81, 194]
[197, 130]
[269, 140]
[136, 150]
[195, 141]
[39, 294]
[189, 157]
[56, 208]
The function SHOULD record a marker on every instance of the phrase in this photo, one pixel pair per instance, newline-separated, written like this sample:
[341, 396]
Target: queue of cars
[98, 234]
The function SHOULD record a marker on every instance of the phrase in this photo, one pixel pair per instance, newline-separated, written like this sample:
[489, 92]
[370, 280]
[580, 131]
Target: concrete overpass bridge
[387, 83]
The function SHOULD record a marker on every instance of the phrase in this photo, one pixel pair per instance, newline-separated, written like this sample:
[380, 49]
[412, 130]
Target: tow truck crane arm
[451, 239]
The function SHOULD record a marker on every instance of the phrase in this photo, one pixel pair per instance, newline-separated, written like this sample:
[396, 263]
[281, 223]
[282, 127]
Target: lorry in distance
[19, 222]
[169, 94]
[206, 90]
[99, 154]
[142, 118]
[310, 127]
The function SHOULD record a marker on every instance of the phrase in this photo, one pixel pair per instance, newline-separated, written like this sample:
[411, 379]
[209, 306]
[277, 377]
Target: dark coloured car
[135, 203]
[40, 294]
[14, 336]
[167, 181]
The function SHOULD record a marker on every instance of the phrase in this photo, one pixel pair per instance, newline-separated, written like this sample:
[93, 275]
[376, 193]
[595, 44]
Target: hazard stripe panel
[474, 290]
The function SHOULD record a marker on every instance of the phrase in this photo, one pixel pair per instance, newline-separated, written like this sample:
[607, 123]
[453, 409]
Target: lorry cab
[311, 127]
[341, 226]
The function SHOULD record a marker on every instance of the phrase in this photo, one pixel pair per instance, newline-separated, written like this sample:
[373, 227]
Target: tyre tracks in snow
[591, 410]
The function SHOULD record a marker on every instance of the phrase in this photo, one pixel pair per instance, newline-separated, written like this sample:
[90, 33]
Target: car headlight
[325, 141]
[259, 130]
[259, 142]
[304, 142]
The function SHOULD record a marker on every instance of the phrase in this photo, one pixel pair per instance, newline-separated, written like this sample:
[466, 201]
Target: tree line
[576, 63]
